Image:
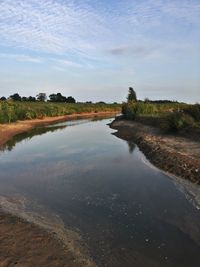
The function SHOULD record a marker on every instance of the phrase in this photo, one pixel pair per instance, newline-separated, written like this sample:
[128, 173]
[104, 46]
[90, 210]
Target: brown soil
[23, 244]
[172, 153]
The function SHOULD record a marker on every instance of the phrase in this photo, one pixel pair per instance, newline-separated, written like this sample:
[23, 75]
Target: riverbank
[9, 130]
[172, 153]
[23, 243]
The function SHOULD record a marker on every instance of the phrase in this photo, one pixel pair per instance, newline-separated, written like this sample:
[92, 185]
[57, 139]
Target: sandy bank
[174, 154]
[7, 131]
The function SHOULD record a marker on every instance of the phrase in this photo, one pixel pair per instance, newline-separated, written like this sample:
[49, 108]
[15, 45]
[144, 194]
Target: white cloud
[152, 12]
[62, 27]
[47, 26]
[21, 58]
[68, 63]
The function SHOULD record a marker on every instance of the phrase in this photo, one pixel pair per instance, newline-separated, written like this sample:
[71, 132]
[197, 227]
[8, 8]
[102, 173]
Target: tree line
[42, 97]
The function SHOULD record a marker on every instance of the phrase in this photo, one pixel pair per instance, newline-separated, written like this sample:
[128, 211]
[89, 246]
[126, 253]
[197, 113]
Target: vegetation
[131, 95]
[11, 111]
[42, 97]
[172, 116]
[59, 98]
[176, 121]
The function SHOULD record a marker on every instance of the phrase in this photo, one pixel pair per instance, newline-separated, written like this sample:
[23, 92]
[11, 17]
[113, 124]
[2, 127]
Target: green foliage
[41, 97]
[131, 95]
[11, 111]
[194, 111]
[150, 109]
[171, 117]
[15, 97]
[174, 122]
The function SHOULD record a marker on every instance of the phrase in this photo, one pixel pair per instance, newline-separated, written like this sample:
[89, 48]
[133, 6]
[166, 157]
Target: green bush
[176, 121]
[194, 111]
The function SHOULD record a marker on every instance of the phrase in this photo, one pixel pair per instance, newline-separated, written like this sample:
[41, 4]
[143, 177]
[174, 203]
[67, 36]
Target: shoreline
[8, 131]
[171, 153]
[25, 224]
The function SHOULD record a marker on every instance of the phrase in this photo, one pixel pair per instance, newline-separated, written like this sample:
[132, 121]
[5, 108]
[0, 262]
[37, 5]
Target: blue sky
[94, 50]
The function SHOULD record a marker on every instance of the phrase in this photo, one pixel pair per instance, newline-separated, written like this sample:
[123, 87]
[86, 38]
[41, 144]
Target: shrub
[194, 111]
[176, 121]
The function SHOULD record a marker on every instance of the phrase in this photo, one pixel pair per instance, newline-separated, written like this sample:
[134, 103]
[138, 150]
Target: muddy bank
[7, 131]
[25, 244]
[173, 154]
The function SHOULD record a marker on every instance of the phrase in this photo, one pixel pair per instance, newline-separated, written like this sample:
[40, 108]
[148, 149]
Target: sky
[95, 49]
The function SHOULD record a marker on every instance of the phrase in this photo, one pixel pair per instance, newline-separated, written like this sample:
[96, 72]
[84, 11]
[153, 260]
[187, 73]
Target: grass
[171, 117]
[11, 111]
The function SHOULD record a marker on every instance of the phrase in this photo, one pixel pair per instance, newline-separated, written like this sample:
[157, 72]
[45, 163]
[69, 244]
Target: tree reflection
[28, 135]
[131, 146]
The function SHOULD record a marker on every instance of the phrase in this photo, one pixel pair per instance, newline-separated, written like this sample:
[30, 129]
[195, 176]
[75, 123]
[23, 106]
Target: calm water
[128, 213]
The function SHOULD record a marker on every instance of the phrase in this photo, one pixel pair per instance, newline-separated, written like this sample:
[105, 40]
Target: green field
[11, 111]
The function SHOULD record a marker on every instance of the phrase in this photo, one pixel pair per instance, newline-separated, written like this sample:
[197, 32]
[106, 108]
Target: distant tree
[31, 99]
[70, 99]
[15, 97]
[101, 102]
[41, 97]
[24, 98]
[52, 97]
[131, 95]
[61, 98]
[3, 98]
[57, 98]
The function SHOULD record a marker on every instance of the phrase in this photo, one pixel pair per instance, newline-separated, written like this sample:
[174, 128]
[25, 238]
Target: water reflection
[29, 135]
[10, 144]
[131, 146]
[127, 213]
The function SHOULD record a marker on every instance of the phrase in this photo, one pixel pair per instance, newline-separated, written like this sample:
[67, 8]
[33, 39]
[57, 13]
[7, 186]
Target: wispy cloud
[68, 63]
[82, 27]
[141, 51]
[47, 25]
[158, 12]
[21, 58]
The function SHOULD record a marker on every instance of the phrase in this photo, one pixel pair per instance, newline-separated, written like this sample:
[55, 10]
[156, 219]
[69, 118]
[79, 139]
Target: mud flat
[172, 153]
[30, 235]
[26, 244]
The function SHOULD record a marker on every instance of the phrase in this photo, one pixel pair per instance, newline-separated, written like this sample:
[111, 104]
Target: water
[127, 213]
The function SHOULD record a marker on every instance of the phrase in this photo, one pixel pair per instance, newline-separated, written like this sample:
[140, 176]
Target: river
[127, 212]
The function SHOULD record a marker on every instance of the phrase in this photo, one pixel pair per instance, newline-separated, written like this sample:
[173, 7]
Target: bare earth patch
[24, 244]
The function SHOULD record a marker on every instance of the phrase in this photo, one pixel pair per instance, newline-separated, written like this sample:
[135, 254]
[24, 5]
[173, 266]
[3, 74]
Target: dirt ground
[23, 244]
[172, 153]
